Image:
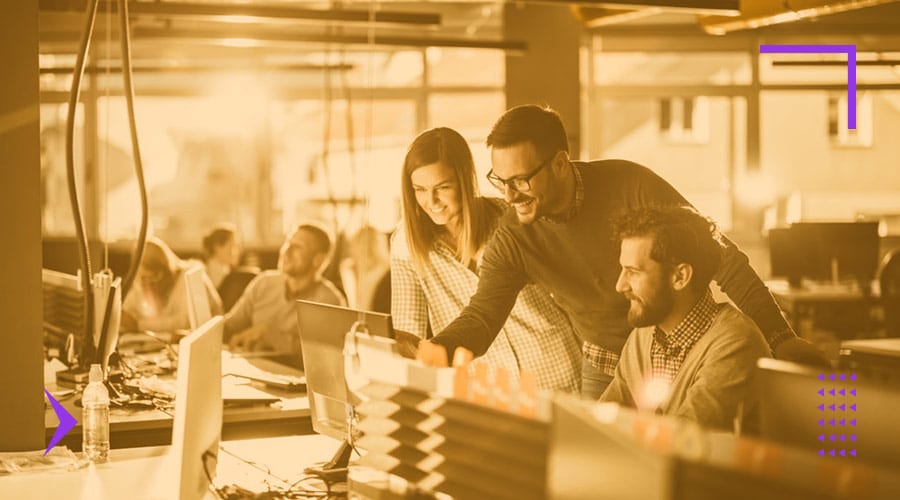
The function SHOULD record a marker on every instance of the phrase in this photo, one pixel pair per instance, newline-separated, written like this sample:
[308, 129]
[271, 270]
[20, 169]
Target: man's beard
[651, 312]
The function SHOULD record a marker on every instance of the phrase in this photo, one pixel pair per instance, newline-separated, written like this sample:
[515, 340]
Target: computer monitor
[825, 251]
[199, 310]
[322, 330]
[795, 404]
[198, 410]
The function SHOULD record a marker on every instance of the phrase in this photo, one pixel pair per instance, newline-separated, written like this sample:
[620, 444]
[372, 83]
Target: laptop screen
[322, 330]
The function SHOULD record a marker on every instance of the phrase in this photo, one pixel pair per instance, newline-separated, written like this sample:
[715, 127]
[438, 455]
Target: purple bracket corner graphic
[850, 50]
[66, 422]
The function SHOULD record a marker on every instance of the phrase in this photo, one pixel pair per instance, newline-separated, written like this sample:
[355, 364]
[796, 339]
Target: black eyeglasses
[520, 183]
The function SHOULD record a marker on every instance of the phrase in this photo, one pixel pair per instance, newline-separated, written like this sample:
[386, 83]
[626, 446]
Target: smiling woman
[435, 261]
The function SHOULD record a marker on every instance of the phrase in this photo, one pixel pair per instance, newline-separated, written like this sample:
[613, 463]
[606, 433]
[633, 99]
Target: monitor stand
[335, 470]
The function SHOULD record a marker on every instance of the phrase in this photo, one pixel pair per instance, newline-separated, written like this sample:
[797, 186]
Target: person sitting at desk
[688, 355]
[264, 317]
[221, 252]
[435, 265]
[158, 299]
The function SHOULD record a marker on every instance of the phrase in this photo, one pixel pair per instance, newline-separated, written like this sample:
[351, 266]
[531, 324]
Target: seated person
[264, 318]
[221, 252]
[365, 266]
[688, 355]
[158, 298]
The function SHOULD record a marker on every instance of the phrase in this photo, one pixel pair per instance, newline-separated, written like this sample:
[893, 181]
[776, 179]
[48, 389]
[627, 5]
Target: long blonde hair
[446, 146]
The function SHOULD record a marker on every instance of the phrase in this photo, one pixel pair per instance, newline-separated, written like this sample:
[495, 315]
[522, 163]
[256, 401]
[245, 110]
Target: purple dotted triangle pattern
[837, 404]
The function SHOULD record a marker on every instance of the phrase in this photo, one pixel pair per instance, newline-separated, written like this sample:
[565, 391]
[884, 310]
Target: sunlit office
[371, 250]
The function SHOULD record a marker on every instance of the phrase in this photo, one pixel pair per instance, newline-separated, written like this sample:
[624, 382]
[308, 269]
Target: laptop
[199, 310]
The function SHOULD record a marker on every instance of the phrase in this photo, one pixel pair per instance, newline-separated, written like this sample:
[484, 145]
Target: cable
[135, 147]
[212, 487]
[87, 347]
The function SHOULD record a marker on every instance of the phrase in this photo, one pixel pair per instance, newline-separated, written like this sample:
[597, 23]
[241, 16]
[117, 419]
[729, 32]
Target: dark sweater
[578, 263]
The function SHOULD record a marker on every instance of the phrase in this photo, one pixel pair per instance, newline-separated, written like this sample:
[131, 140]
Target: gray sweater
[714, 378]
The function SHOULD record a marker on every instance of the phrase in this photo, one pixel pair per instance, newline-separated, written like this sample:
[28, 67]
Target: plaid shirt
[667, 352]
[537, 337]
[579, 200]
[600, 358]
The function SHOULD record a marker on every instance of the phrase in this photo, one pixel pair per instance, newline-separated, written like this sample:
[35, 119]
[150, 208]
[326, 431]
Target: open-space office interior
[588, 249]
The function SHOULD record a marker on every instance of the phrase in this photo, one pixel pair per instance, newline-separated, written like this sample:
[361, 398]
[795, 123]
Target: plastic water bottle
[95, 420]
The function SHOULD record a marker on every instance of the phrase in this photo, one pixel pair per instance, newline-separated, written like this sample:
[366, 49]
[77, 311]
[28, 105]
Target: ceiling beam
[244, 12]
[760, 13]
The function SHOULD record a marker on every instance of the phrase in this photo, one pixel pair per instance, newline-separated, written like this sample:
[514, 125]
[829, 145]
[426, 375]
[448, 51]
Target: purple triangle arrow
[853, 437]
[831, 377]
[853, 452]
[822, 422]
[821, 392]
[831, 422]
[852, 376]
[843, 422]
[843, 376]
[831, 453]
[843, 407]
[831, 437]
[843, 453]
[821, 453]
[831, 407]
[822, 407]
[853, 407]
[831, 391]
[853, 422]
[853, 391]
[66, 422]
[822, 437]
[821, 376]
[842, 392]
[843, 437]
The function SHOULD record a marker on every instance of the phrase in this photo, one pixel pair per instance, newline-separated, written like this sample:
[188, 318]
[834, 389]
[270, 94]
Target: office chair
[233, 285]
[889, 278]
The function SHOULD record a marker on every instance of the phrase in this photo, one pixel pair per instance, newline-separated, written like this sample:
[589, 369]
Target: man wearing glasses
[558, 234]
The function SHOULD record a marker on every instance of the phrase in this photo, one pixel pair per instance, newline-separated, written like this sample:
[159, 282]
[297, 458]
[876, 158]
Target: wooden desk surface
[148, 427]
[145, 473]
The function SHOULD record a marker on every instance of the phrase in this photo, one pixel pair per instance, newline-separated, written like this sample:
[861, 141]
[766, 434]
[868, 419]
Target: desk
[133, 428]
[844, 310]
[144, 473]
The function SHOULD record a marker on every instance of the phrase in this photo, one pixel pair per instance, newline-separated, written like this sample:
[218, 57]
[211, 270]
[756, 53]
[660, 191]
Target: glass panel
[305, 180]
[56, 211]
[630, 128]
[819, 178]
[454, 66]
[670, 68]
[200, 157]
[472, 115]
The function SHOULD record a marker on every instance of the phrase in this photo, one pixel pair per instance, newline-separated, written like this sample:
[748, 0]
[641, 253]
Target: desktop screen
[796, 401]
[824, 250]
[198, 410]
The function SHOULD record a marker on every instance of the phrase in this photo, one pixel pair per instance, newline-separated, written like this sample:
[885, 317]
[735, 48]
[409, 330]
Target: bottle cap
[96, 374]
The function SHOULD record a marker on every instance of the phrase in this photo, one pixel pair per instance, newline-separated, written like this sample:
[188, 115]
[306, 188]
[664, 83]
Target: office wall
[21, 396]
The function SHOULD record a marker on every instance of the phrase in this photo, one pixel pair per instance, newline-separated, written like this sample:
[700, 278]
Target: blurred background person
[435, 259]
[264, 317]
[221, 252]
[158, 299]
[364, 269]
